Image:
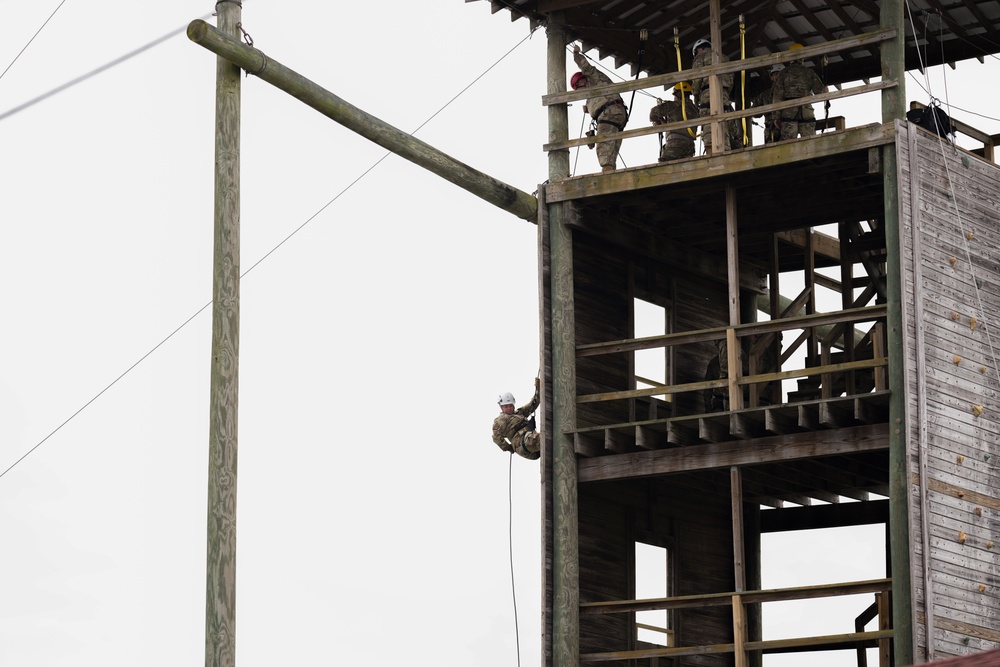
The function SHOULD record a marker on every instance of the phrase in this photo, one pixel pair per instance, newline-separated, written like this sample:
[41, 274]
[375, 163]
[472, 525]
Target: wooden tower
[881, 409]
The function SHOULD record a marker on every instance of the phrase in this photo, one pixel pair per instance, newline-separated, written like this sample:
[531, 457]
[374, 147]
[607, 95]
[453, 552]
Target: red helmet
[576, 79]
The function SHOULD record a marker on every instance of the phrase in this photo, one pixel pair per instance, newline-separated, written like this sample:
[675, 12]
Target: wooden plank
[732, 164]
[782, 419]
[714, 428]
[651, 436]
[763, 62]
[816, 320]
[587, 444]
[725, 454]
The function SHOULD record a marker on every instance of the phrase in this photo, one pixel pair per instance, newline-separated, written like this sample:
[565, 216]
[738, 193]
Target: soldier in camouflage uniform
[771, 131]
[607, 111]
[793, 82]
[702, 52]
[513, 431]
[679, 143]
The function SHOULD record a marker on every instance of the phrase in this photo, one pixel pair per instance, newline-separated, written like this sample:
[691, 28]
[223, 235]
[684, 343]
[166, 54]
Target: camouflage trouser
[802, 124]
[527, 443]
[771, 131]
[676, 147]
[610, 121]
[730, 129]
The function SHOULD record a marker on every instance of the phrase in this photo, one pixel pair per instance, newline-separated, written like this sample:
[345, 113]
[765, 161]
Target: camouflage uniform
[516, 429]
[731, 128]
[608, 112]
[771, 131]
[679, 143]
[793, 82]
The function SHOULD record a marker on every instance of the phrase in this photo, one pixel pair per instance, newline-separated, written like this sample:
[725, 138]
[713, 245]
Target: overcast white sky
[373, 507]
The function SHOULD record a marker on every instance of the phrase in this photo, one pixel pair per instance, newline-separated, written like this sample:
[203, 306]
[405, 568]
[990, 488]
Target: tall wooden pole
[904, 618]
[565, 502]
[220, 597]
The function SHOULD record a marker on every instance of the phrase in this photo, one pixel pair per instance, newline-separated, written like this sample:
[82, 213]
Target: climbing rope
[510, 548]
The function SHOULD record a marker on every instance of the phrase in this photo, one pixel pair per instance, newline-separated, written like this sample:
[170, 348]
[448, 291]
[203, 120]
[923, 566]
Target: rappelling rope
[510, 546]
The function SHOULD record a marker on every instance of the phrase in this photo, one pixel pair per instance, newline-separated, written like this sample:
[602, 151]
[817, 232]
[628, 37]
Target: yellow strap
[680, 68]
[743, 76]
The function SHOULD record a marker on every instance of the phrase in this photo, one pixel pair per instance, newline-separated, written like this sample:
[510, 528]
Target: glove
[538, 383]
[530, 423]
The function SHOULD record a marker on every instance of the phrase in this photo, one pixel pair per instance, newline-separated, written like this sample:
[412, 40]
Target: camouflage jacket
[505, 427]
[796, 81]
[763, 99]
[595, 78]
[700, 85]
[671, 112]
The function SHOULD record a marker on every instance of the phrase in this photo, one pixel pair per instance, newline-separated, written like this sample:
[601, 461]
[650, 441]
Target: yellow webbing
[680, 68]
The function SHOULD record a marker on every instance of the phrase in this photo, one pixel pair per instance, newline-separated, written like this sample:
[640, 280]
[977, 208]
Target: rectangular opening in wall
[650, 365]
[652, 581]
[814, 558]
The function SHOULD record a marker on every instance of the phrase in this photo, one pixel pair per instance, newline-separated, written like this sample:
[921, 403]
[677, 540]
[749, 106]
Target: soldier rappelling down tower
[514, 429]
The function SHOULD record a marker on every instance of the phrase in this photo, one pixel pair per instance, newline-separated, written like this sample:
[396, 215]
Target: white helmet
[697, 45]
[506, 398]
[776, 68]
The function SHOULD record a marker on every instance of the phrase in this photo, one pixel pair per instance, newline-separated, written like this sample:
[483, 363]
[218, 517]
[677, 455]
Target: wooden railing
[816, 51]
[741, 645]
[834, 328]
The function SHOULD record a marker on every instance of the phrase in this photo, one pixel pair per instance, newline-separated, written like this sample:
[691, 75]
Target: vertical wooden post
[739, 568]
[884, 619]
[565, 510]
[720, 139]
[904, 620]
[220, 600]
[734, 348]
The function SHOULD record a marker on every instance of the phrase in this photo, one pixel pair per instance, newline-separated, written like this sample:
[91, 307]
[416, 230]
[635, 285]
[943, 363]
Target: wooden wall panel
[950, 262]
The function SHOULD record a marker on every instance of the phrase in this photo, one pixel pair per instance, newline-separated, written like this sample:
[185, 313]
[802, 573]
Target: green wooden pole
[565, 510]
[220, 598]
[507, 197]
[892, 55]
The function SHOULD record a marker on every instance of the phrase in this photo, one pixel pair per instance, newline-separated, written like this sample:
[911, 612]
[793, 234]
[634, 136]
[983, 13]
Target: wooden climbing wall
[950, 261]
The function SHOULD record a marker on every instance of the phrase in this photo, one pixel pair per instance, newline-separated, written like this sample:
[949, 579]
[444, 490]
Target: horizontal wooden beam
[254, 62]
[733, 66]
[769, 646]
[839, 515]
[748, 597]
[727, 115]
[729, 164]
[865, 314]
[789, 447]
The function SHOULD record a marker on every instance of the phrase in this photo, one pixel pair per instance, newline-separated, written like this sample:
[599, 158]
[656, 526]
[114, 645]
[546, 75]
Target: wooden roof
[947, 30]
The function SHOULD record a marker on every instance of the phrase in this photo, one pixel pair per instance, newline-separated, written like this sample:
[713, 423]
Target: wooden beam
[715, 456]
[729, 115]
[758, 62]
[565, 589]
[254, 62]
[840, 515]
[748, 159]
